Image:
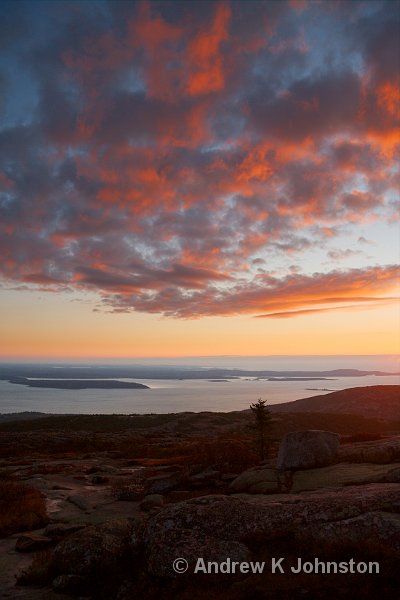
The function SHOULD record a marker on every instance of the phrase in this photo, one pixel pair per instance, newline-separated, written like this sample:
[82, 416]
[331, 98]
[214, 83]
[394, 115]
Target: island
[79, 384]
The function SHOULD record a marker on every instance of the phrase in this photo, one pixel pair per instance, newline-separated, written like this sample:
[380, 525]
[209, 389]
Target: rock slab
[215, 527]
[32, 542]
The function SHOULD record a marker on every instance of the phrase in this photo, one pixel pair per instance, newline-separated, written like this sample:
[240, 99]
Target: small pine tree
[262, 420]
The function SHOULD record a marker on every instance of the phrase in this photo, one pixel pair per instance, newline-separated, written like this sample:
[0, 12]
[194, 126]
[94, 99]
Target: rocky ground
[116, 520]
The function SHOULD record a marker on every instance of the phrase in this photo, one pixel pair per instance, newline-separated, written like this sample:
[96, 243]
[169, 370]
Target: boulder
[256, 480]
[264, 487]
[207, 477]
[158, 469]
[162, 483]
[151, 501]
[93, 549]
[99, 479]
[128, 590]
[91, 470]
[179, 495]
[32, 542]
[70, 584]
[136, 539]
[228, 477]
[307, 449]
[80, 502]
[57, 531]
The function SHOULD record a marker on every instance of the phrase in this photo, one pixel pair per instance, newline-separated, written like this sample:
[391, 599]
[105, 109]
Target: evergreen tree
[262, 418]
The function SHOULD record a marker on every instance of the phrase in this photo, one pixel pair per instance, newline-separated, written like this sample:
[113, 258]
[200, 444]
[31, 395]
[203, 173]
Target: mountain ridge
[379, 401]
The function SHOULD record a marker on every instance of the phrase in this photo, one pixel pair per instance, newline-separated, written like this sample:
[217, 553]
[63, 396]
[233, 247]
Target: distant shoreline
[17, 373]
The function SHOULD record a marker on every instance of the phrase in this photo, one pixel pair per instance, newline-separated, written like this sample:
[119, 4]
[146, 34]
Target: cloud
[370, 303]
[179, 275]
[173, 158]
[343, 254]
[269, 294]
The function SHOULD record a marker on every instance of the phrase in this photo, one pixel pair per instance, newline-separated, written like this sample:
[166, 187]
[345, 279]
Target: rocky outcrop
[307, 449]
[191, 545]
[381, 451]
[344, 474]
[372, 528]
[348, 464]
[261, 480]
[151, 501]
[219, 526]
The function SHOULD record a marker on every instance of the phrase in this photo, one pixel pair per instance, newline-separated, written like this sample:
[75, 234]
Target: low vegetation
[225, 453]
[89, 422]
[21, 507]
[186, 455]
[187, 434]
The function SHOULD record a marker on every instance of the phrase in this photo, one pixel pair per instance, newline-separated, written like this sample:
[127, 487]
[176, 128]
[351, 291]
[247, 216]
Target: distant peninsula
[66, 372]
[79, 384]
[297, 378]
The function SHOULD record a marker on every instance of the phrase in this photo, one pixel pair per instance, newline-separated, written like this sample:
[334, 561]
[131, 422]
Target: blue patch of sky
[357, 182]
[330, 43]
[132, 82]
[20, 94]
[33, 26]
[385, 238]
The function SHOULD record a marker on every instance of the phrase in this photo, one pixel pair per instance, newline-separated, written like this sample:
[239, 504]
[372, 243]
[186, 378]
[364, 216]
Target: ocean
[170, 396]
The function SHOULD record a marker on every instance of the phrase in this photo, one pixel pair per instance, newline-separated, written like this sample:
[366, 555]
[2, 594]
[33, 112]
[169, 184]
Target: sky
[199, 178]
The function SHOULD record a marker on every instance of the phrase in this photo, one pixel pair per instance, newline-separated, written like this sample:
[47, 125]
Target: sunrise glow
[199, 178]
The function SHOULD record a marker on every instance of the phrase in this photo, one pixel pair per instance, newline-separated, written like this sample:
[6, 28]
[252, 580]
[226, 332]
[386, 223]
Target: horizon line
[183, 356]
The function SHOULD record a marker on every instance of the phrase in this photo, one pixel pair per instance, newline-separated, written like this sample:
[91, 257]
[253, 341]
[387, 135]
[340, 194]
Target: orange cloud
[204, 61]
[271, 296]
[369, 303]
[388, 95]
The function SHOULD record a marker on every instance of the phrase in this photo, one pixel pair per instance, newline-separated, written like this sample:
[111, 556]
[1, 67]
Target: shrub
[227, 454]
[129, 489]
[21, 508]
